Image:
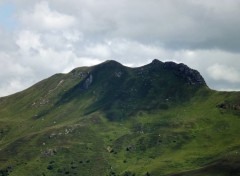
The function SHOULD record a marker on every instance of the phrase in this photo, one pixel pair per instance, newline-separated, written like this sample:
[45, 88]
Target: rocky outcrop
[229, 106]
[49, 152]
[88, 81]
[182, 71]
[77, 73]
[118, 74]
[192, 77]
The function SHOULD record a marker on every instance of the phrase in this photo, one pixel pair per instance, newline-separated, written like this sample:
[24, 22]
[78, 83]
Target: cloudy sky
[41, 38]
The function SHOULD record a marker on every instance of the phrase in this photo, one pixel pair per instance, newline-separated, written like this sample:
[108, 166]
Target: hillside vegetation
[160, 119]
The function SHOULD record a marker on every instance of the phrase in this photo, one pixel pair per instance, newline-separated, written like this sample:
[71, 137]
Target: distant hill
[109, 119]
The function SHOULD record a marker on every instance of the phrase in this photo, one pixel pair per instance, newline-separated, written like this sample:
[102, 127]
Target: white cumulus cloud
[44, 18]
[225, 73]
[28, 40]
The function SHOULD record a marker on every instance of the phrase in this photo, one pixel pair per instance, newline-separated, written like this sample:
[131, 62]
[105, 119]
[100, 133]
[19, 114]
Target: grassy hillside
[159, 119]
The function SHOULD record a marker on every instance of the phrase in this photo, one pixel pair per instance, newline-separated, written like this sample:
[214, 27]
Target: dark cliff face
[183, 71]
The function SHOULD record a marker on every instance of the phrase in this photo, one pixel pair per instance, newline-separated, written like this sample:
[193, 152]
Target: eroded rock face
[181, 70]
[49, 152]
[88, 81]
[229, 106]
[79, 74]
[118, 74]
[191, 76]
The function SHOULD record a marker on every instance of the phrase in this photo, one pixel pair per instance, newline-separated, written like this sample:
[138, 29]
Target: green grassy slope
[159, 119]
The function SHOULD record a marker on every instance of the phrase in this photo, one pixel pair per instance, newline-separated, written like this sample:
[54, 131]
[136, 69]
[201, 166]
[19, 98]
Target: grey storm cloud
[173, 24]
[59, 35]
[176, 24]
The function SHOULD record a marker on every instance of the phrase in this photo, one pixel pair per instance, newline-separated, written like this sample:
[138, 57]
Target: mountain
[109, 119]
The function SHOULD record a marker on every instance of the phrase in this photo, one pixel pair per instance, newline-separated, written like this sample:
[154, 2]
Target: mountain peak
[156, 61]
[111, 63]
[181, 70]
[110, 117]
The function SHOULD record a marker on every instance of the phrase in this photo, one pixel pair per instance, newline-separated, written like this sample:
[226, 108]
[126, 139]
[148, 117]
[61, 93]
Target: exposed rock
[76, 73]
[118, 74]
[109, 149]
[41, 102]
[88, 81]
[183, 71]
[49, 152]
[228, 106]
[67, 131]
[191, 76]
[53, 135]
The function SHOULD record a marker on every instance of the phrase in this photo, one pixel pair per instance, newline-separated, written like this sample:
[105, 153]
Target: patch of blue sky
[7, 20]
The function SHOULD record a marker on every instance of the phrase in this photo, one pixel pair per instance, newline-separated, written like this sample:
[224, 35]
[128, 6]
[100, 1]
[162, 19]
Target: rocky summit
[160, 119]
